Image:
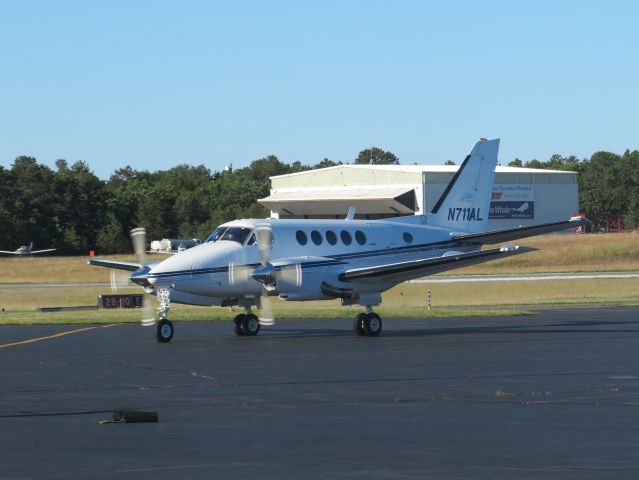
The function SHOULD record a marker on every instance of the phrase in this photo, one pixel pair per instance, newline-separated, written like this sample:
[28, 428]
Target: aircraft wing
[131, 267]
[42, 251]
[6, 251]
[509, 234]
[402, 271]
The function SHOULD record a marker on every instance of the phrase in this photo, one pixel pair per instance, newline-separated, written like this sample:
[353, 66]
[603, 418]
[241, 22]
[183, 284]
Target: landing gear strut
[246, 324]
[164, 328]
[367, 324]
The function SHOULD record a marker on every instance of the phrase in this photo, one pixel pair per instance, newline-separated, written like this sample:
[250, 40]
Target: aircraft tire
[250, 325]
[358, 324]
[237, 324]
[164, 331]
[372, 324]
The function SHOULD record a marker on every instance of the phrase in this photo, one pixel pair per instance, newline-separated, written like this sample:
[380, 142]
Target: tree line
[73, 210]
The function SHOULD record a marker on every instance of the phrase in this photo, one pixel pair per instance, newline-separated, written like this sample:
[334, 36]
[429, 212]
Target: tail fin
[463, 207]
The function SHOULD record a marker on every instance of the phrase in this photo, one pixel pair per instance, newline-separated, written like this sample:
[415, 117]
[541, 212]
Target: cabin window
[408, 238]
[316, 237]
[301, 237]
[346, 237]
[331, 237]
[360, 237]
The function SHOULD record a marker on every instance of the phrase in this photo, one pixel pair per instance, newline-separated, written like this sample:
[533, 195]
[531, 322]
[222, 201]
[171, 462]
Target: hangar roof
[425, 168]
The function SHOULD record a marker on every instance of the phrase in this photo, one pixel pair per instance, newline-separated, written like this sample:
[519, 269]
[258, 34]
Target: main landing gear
[246, 324]
[367, 324]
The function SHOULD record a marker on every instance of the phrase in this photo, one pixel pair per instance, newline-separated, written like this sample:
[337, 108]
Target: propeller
[264, 239]
[138, 239]
[266, 273]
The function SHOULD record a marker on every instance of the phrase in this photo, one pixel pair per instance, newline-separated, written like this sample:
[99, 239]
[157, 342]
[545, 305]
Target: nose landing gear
[164, 328]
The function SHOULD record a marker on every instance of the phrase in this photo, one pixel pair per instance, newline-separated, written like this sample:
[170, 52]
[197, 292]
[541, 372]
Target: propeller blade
[266, 312]
[148, 317]
[119, 279]
[264, 240]
[239, 274]
[138, 238]
[290, 274]
[266, 273]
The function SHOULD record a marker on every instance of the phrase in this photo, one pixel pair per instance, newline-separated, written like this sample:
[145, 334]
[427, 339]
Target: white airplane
[26, 250]
[244, 261]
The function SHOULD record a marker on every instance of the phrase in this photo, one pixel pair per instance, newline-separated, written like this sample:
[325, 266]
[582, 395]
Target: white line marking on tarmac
[526, 278]
[54, 285]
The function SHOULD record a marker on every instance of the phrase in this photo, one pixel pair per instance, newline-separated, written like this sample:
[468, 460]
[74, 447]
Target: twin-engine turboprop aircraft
[244, 261]
[26, 250]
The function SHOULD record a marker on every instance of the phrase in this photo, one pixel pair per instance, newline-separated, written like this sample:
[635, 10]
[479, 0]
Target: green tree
[31, 206]
[609, 185]
[266, 167]
[556, 162]
[376, 156]
[79, 207]
[6, 194]
[326, 163]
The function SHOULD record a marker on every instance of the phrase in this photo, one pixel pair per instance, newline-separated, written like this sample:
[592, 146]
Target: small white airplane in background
[26, 250]
[245, 261]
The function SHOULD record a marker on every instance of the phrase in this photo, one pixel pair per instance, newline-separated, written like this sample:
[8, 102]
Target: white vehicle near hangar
[245, 261]
[173, 245]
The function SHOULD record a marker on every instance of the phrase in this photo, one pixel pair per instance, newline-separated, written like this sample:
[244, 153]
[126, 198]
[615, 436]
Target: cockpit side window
[217, 233]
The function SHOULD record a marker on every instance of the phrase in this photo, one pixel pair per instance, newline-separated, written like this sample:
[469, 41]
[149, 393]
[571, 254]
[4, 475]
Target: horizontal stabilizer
[428, 266]
[131, 267]
[510, 234]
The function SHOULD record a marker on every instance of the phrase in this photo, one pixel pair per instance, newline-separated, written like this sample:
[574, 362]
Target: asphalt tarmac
[554, 395]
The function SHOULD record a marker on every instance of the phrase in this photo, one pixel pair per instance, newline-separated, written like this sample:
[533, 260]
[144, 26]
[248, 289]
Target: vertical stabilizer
[463, 207]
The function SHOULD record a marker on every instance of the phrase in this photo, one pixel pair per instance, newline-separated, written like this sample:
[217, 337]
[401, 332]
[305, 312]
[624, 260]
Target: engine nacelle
[309, 288]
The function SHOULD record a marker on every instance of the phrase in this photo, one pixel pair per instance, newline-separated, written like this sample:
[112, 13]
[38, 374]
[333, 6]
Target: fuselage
[220, 267]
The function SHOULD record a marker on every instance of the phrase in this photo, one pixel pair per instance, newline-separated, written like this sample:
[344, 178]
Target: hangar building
[521, 196]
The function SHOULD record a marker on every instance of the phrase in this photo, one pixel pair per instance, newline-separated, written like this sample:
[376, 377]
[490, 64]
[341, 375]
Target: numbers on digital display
[121, 301]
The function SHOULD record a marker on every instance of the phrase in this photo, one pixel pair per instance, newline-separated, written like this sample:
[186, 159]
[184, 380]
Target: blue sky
[155, 84]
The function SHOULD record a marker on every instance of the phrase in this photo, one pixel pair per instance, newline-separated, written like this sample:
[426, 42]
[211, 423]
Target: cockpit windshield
[233, 234]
